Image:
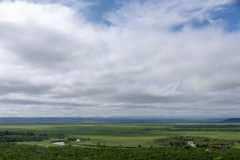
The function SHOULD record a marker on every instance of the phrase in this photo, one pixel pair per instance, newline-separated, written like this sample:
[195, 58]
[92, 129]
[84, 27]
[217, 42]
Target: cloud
[52, 58]
[164, 13]
[22, 87]
[40, 103]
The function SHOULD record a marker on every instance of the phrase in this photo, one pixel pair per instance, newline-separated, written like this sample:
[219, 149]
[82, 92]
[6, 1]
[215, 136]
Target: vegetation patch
[21, 152]
[199, 142]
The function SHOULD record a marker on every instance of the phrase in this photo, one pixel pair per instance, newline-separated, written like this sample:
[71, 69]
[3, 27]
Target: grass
[237, 146]
[114, 134]
[45, 143]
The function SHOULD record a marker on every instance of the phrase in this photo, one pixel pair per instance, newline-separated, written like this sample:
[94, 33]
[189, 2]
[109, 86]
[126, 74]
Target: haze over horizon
[123, 58]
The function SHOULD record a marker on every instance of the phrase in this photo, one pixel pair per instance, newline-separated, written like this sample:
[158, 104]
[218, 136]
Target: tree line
[5, 133]
[9, 136]
[19, 152]
[22, 139]
[200, 142]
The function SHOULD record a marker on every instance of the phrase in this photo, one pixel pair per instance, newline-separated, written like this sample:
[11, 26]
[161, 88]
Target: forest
[14, 151]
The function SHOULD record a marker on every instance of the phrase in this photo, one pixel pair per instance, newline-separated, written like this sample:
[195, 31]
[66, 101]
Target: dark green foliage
[73, 139]
[21, 139]
[213, 143]
[201, 142]
[98, 144]
[120, 146]
[21, 152]
[173, 141]
[6, 133]
[206, 126]
[9, 136]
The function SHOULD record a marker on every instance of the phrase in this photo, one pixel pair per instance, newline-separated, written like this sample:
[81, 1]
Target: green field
[125, 134]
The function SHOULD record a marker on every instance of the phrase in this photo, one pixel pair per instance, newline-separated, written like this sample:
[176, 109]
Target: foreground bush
[32, 152]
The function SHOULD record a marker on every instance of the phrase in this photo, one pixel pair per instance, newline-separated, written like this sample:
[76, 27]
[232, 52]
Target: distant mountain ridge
[231, 120]
[216, 119]
[108, 119]
[85, 119]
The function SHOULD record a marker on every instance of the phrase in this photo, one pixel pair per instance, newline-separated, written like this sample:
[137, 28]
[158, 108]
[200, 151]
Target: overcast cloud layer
[55, 62]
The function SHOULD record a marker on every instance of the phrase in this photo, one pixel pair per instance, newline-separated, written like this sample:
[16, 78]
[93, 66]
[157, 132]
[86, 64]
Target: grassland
[125, 134]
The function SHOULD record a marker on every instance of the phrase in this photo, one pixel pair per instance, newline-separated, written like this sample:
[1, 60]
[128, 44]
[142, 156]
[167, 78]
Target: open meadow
[124, 134]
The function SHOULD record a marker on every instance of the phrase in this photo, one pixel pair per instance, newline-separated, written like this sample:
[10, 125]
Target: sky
[166, 58]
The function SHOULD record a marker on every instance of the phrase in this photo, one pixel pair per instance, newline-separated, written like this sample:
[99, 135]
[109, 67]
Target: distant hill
[231, 120]
[123, 119]
[216, 119]
[88, 119]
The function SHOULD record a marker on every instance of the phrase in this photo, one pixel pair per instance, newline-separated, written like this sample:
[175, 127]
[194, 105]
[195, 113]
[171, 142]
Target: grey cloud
[38, 46]
[135, 97]
[90, 93]
[39, 103]
[230, 101]
[22, 87]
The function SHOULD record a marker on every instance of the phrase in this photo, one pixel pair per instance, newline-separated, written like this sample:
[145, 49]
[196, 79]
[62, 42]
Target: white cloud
[164, 13]
[51, 57]
[50, 16]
